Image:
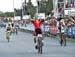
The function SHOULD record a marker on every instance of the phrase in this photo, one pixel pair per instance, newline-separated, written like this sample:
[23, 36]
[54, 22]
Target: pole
[64, 6]
[22, 8]
[37, 9]
[13, 9]
[25, 6]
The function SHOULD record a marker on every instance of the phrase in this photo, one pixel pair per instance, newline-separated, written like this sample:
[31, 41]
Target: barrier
[53, 30]
[70, 31]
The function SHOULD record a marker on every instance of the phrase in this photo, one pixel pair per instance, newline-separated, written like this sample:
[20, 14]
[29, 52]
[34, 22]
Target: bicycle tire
[41, 49]
[38, 45]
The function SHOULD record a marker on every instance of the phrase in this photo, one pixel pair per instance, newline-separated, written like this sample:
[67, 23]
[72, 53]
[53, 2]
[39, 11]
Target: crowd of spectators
[70, 4]
[67, 20]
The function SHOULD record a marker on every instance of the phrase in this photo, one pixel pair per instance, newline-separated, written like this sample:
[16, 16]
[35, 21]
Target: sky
[7, 5]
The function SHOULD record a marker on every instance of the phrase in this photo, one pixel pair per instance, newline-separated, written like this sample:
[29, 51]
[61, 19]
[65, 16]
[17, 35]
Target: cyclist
[12, 27]
[37, 24]
[61, 27]
[8, 27]
[8, 31]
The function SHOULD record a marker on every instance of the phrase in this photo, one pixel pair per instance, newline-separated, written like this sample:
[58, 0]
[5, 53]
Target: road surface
[22, 45]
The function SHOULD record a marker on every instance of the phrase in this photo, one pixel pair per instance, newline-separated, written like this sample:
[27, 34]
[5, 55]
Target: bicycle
[8, 35]
[39, 43]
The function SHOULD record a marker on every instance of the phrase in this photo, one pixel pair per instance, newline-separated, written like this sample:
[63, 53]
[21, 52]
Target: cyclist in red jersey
[37, 24]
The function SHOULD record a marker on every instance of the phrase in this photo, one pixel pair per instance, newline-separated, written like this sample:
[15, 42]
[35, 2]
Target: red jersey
[37, 23]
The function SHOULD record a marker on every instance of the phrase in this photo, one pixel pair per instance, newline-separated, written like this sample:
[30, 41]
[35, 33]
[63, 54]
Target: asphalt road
[22, 45]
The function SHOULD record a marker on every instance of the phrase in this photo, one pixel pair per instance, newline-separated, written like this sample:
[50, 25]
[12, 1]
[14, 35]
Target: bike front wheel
[40, 46]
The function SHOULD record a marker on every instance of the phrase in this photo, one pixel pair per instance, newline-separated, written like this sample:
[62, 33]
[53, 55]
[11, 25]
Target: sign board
[17, 18]
[70, 12]
[26, 17]
[41, 15]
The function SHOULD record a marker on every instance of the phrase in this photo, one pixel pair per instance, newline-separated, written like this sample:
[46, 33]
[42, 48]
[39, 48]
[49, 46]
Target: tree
[46, 6]
[30, 8]
[18, 12]
[6, 14]
[9, 14]
[41, 6]
[1, 13]
[49, 6]
[60, 0]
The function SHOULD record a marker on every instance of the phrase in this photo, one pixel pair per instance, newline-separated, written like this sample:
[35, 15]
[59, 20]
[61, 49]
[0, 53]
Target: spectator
[68, 5]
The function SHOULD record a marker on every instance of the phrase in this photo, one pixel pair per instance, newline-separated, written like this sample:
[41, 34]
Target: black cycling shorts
[38, 31]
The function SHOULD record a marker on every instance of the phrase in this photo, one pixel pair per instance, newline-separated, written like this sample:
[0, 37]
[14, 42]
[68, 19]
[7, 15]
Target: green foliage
[2, 14]
[29, 8]
[60, 0]
[7, 14]
[46, 6]
[49, 5]
[18, 12]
